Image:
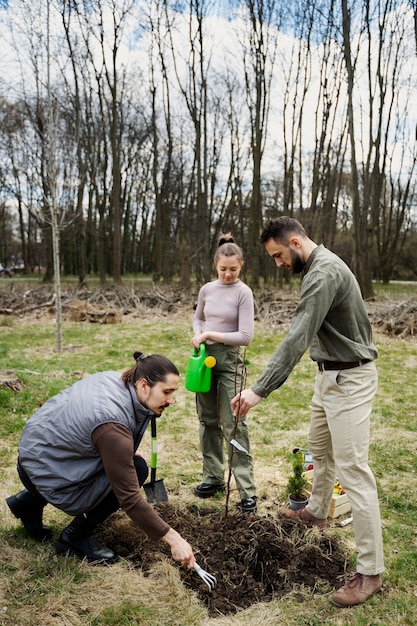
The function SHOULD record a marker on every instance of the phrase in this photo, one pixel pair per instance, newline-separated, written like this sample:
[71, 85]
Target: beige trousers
[339, 442]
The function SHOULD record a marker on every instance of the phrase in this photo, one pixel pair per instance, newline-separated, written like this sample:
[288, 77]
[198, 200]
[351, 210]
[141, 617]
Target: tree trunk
[359, 212]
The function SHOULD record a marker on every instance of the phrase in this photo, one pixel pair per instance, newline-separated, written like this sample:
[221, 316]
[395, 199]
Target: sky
[223, 46]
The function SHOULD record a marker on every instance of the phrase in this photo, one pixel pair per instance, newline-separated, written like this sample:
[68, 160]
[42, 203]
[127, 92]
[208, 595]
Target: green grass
[125, 614]
[395, 291]
[39, 588]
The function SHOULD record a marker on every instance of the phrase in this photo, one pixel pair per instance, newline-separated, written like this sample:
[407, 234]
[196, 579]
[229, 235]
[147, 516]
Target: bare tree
[321, 217]
[80, 129]
[14, 172]
[381, 191]
[296, 72]
[389, 167]
[259, 50]
[101, 25]
[361, 237]
[51, 174]
[186, 169]
[162, 159]
[193, 85]
[144, 174]
[114, 80]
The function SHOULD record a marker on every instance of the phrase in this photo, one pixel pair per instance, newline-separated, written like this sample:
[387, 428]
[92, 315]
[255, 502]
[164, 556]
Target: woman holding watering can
[224, 321]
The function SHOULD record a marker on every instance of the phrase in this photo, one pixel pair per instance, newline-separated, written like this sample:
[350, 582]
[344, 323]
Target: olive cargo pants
[218, 426]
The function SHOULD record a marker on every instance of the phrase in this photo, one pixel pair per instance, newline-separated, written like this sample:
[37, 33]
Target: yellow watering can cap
[210, 361]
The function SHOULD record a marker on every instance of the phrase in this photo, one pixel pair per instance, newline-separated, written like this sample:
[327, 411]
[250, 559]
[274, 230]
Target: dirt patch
[255, 559]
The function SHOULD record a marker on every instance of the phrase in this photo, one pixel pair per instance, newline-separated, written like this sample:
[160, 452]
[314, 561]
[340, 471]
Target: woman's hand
[197, 339]
[211, 335]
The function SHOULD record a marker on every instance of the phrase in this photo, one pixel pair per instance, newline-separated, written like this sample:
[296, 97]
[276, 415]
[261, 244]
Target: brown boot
[357, 590]
[302, 514]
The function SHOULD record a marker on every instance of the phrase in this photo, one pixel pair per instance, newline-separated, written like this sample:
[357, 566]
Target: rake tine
[209, 579]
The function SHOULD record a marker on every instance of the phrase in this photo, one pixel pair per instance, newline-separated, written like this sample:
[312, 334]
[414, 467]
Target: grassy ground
[37, 587]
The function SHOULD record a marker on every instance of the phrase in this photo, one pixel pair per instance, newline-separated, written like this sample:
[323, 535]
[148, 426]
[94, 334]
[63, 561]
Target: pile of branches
[272, 308]
[399, 319]
[275, 309]
[20, 301]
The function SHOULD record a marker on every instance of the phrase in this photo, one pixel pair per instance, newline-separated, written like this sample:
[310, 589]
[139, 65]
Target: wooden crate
[339, 505]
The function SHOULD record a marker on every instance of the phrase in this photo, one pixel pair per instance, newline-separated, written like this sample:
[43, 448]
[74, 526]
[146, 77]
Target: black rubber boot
[28, 507]
[76, 539]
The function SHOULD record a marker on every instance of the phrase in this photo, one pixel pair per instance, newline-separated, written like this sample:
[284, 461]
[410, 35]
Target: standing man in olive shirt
[331, 319]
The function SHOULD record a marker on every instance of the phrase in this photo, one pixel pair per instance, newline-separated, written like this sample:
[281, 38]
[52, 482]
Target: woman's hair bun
[228, 238]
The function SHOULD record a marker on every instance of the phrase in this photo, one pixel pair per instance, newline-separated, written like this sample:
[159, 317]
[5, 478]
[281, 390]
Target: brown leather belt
[338, 365]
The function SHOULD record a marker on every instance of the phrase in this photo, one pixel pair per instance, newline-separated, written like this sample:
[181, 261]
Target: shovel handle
[155, 490]
[154, 444]
[154, 452]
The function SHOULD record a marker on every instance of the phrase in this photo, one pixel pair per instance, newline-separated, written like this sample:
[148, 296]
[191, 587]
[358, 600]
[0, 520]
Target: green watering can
[198, 372]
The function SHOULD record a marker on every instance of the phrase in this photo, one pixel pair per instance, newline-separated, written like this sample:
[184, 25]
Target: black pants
[106, 507]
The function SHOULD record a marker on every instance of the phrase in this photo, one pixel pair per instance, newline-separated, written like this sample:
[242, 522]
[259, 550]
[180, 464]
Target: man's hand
[180, 549]
[244, 401]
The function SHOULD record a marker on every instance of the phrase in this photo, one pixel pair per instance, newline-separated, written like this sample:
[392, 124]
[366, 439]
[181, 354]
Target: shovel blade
[156, 492]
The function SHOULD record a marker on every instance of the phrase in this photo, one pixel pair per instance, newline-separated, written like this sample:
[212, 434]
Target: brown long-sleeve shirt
[115, 445]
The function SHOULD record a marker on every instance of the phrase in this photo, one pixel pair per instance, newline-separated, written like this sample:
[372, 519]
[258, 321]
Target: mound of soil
[253, 558]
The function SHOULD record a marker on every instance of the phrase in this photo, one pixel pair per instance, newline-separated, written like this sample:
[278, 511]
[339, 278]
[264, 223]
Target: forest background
[133, 133]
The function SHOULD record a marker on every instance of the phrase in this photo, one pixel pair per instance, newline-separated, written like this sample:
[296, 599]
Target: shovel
[154, 489]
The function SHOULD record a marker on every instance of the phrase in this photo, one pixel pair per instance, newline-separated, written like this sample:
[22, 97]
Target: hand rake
[209, 579]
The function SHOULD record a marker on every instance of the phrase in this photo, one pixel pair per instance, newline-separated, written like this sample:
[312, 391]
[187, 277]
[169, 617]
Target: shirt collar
[312, 257]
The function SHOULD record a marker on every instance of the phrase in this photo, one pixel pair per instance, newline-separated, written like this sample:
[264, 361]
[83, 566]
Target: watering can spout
[198, 372]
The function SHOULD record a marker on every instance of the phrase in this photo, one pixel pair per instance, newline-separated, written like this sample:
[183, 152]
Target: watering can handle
[201, 350]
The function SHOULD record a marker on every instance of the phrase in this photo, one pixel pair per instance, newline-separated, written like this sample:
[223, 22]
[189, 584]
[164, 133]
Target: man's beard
[296, 262]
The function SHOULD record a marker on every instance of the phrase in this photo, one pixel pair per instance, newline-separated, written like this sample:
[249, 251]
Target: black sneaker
[207, 490]
[249, 505]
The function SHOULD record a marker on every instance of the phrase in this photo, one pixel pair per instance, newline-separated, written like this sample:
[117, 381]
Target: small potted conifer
[297, 483]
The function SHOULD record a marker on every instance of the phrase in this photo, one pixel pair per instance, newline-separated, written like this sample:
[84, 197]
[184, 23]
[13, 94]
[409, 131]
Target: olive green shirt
[330, 318]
